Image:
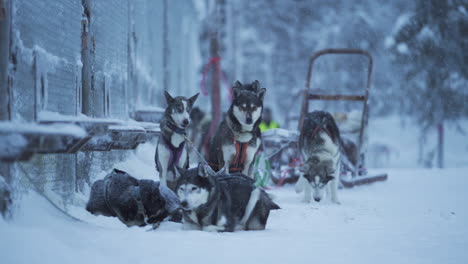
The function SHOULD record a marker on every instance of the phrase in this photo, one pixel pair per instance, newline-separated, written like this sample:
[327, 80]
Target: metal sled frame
[308, 96]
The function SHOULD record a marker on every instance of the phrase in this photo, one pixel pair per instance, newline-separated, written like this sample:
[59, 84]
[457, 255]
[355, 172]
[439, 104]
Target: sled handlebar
[336, 97]
[340, 51]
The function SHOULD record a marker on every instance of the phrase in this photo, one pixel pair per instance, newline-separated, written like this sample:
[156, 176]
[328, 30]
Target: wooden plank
[337, 97]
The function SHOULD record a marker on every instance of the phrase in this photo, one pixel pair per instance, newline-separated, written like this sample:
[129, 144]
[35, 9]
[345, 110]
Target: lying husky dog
[238, 137]
[171, 151]
[134, 202]
[220, 202]
[319, 144]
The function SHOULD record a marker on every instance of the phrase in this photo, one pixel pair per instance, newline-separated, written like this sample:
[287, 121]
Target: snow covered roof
[33, 128]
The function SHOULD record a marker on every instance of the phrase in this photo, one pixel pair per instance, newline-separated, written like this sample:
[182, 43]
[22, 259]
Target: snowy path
[417, 216]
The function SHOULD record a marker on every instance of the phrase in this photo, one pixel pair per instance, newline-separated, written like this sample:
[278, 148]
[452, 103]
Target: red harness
[238, 162]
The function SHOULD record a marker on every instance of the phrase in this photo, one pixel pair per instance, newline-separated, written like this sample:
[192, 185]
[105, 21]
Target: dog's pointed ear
[192, 99]
[169, 98]
[202, 171]
[256, 85]
[237, 84]
[261, 93]
[236, 89]
[221, 171]
[179, 171]
[210, 171]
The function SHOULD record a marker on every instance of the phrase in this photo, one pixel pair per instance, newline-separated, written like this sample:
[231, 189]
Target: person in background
[267, 122]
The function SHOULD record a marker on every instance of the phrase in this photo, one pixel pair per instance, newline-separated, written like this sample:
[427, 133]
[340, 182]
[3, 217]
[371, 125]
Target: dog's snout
[186, 122]
[248, 120]
[317, 199]
[184, 203]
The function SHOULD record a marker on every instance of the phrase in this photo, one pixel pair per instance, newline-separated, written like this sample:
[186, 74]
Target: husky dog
[238, 137]
[199, 129]
[171, 151]
[134, 202]
[220, 202]
[319, 144]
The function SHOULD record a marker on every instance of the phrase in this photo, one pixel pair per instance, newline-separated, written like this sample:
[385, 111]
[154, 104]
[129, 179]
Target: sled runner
[279, 143]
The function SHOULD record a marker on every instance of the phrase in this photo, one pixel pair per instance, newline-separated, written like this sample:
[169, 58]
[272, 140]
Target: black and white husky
[220, 202]
[134, 202]
[238, 137]
[319, 144]
[171, 150]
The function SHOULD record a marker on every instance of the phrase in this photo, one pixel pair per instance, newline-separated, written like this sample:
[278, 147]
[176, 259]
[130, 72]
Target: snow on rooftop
[57, 117]
[12, 145]
[32, 128]
[148, 108]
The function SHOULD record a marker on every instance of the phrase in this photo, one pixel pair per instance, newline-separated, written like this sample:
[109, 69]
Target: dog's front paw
[154, 226]
[188, 226]
[299, 187]
[307, 199]
[213, 228]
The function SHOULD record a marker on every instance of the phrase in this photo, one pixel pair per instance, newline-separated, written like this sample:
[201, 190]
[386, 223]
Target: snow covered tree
[430, 45]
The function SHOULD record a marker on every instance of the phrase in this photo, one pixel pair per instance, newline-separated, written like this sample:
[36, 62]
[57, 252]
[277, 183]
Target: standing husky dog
[238, 137]
[220, 202]
[319, 144]
[171, 151]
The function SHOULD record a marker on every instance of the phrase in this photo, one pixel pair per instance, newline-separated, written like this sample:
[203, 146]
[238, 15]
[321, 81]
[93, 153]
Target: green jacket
[264, 126]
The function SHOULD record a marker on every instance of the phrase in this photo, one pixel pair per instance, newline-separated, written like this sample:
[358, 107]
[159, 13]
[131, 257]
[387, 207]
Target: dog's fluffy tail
[274, 206]
[254, 197]
[270, 201]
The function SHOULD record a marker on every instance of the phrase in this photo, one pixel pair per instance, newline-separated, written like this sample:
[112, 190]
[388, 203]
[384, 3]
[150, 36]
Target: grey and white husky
[238, 137]
[134, 202]
[319, 144]
[171, 150]
[220, 202]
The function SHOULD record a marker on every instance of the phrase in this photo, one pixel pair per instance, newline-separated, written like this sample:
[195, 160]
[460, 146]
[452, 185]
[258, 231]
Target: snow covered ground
[417, 216]
[394, 143]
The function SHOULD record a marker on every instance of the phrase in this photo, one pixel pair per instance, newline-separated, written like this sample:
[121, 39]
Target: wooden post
[86, 94]
[166, 49]
[215, 92]
[6, 169]
[4, 60]
[440, 145]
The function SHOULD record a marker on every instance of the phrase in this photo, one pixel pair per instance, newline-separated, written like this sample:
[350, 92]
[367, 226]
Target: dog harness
[174, 154]
[237, 164]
